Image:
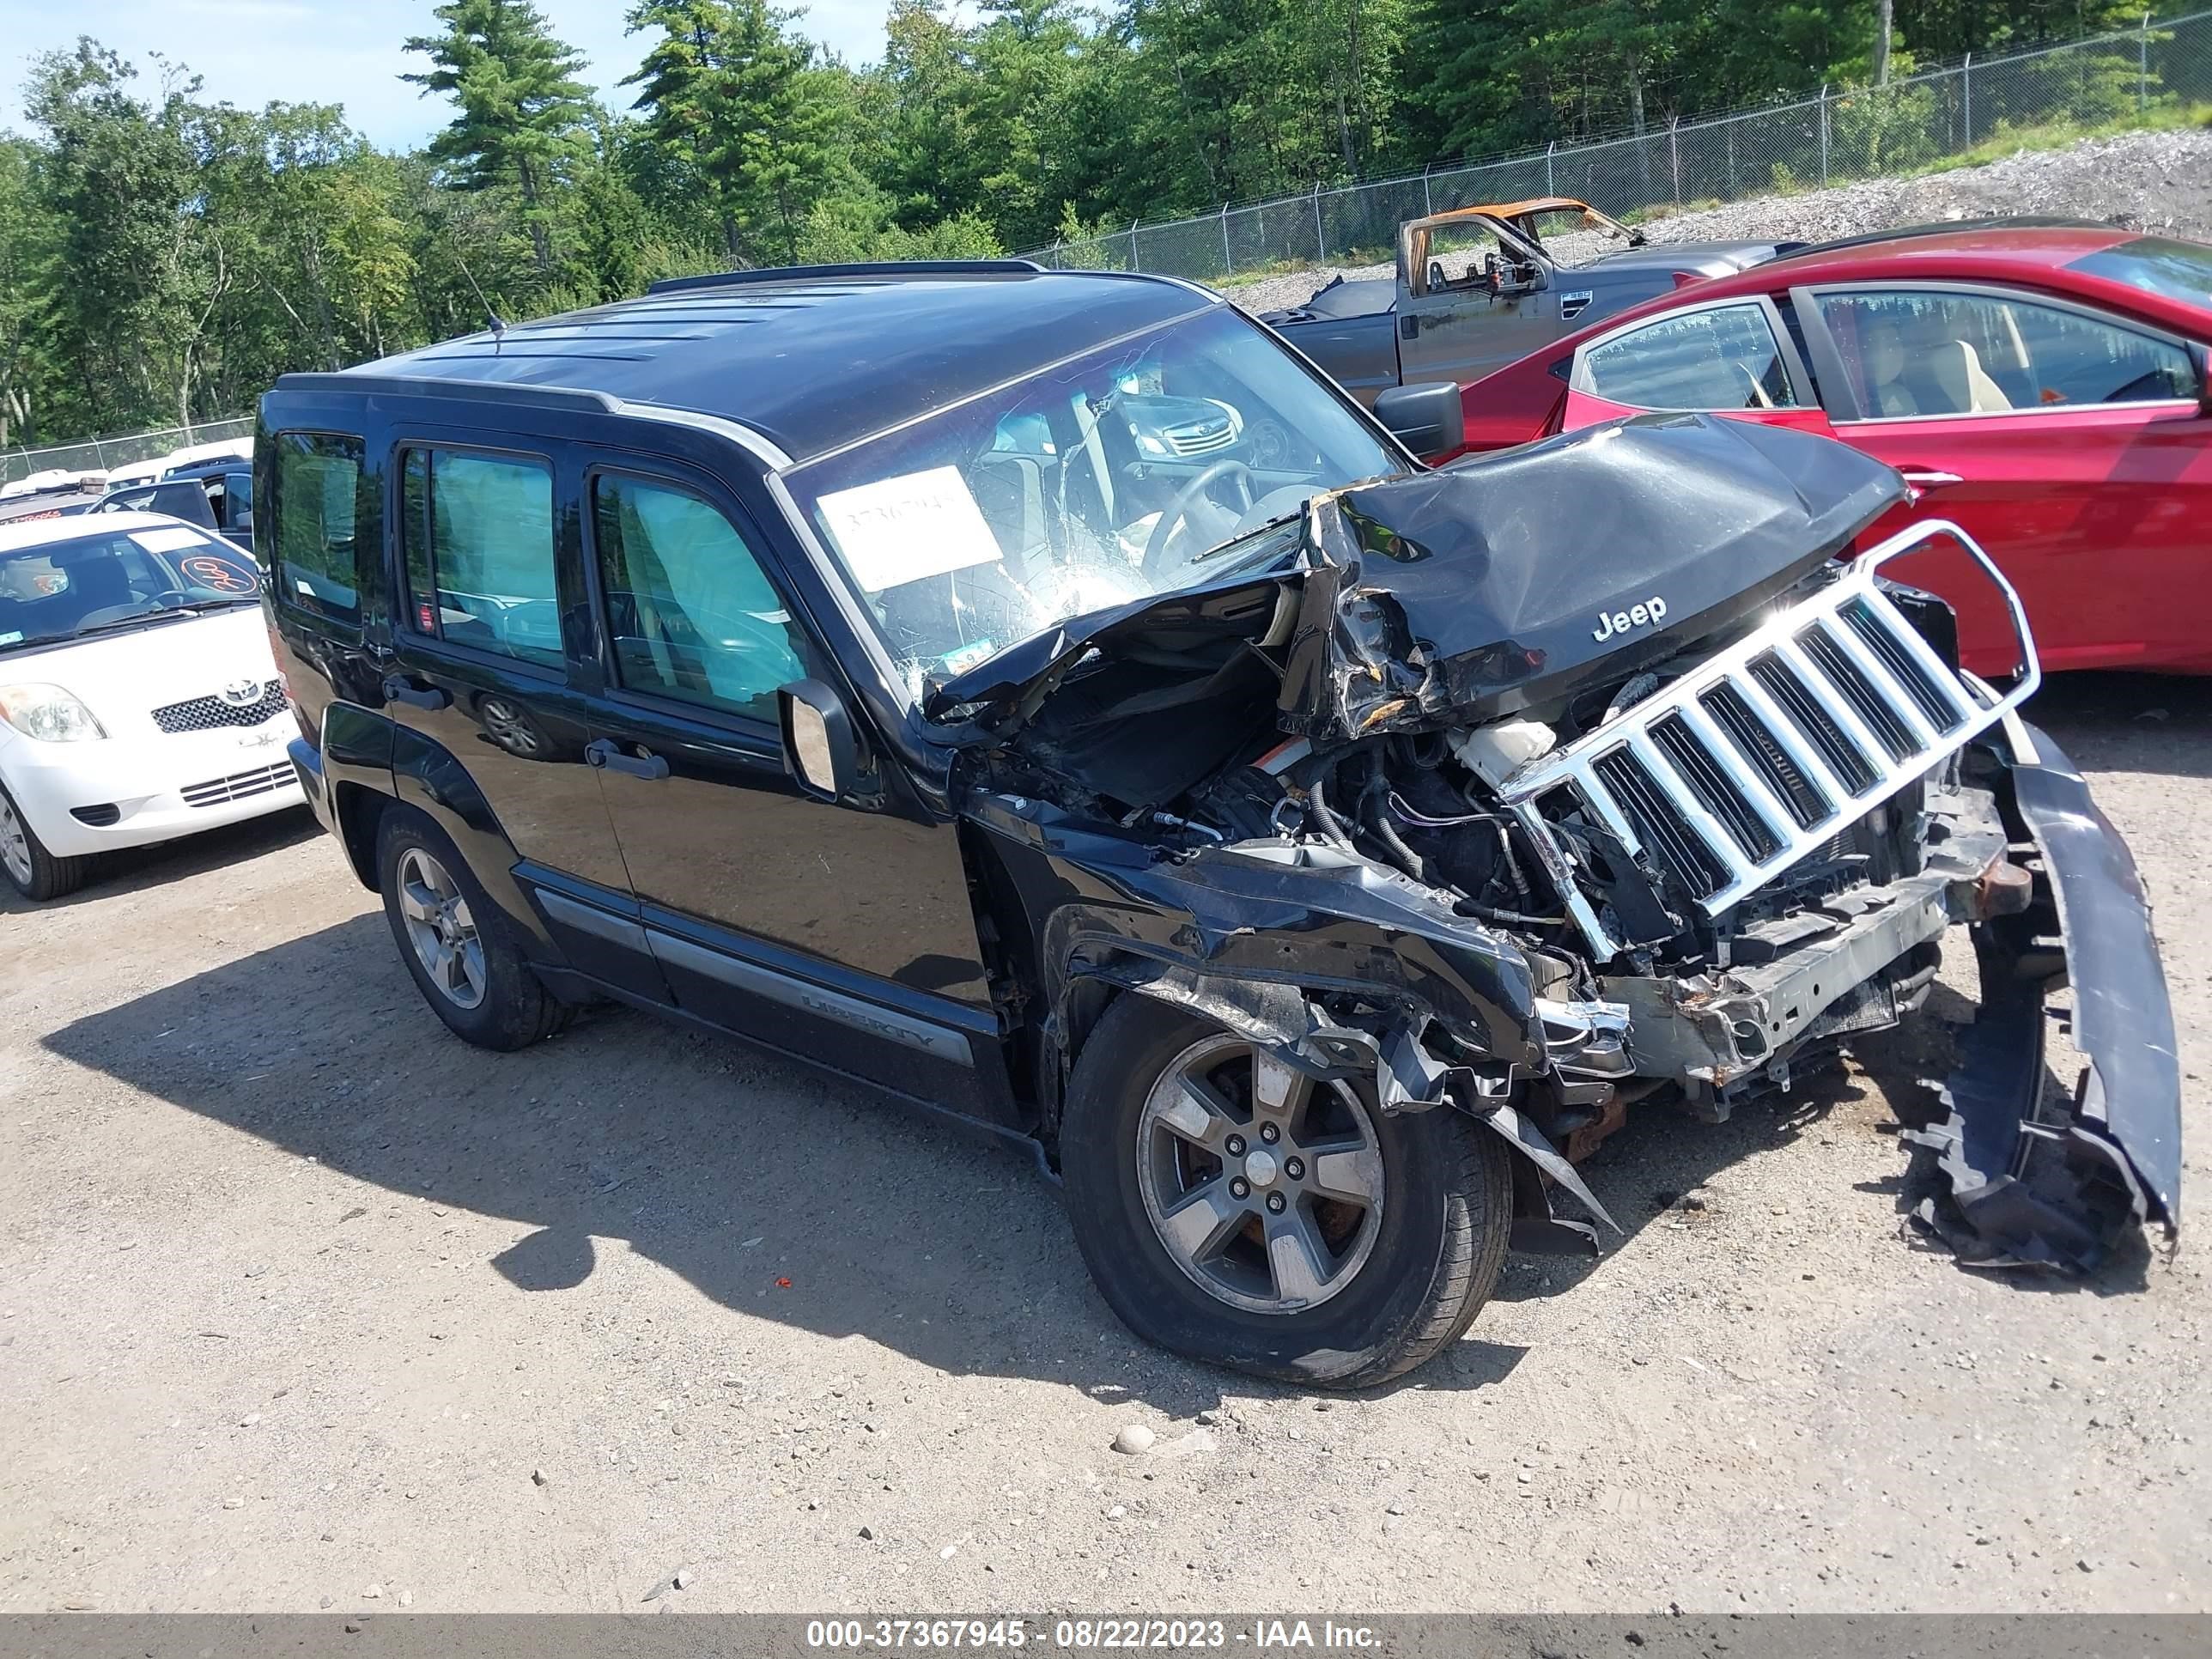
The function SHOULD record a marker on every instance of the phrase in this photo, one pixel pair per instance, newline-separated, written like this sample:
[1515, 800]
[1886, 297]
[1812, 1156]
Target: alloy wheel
[441, 929]
[15, 843]
[1265, 1187]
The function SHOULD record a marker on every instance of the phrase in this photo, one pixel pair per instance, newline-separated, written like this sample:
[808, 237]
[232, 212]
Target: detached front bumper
[2015, 1182]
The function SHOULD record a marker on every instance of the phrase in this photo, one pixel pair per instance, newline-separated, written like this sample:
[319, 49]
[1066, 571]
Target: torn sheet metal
[2021, 1185]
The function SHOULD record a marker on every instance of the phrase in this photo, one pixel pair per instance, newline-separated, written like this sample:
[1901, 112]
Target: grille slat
[214, 714]
[1772, 817]
[1914, 665]
[1797, 709]
[1730, 712]
[1668, 833]
[239, 786]
[1771, 748]
[1891, 703]
[1832, 702]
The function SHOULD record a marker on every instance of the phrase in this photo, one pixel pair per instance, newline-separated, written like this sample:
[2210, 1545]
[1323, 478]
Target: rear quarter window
[318, 505]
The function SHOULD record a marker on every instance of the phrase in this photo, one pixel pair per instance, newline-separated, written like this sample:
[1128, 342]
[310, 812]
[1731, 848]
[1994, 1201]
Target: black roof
[811, 357]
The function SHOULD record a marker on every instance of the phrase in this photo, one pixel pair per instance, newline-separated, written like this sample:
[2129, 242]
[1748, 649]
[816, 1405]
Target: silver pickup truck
[1479, 286]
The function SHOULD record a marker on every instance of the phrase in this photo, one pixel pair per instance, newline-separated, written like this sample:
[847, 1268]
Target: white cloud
[249, 51]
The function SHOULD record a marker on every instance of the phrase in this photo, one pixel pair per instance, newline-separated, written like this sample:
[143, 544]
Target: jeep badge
[1646, 615]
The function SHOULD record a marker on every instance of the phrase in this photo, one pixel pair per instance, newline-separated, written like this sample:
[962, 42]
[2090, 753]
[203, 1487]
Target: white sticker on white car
[167, 540]
[900, 530]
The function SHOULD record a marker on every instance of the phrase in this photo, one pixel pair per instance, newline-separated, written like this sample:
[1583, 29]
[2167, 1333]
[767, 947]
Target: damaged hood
[1463, 593]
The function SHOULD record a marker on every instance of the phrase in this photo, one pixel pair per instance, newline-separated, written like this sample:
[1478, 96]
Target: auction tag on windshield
[900, 530]
[167, 540]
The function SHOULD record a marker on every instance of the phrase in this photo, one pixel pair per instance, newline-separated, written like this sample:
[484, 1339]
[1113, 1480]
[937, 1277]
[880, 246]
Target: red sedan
[2045, 387]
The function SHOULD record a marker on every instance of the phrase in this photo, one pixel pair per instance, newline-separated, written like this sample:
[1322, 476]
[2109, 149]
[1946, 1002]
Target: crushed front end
[1587, 777]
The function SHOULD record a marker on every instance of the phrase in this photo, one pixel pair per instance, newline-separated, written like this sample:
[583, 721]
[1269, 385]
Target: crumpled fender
[2021, 1187]
[1406, 1075]
[1246, 940]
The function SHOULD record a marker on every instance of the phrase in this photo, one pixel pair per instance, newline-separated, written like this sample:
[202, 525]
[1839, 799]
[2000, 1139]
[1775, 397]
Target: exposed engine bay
[1608, 714]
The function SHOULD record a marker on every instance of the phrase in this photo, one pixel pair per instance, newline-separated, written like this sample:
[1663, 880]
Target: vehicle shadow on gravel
[134, 869]
[779, 1193]
[2154, 723]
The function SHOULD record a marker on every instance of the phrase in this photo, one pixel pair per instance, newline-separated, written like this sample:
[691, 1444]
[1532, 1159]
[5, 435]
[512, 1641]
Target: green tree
[522, 114]
[741, 107]
[132, 272]
[27, 240]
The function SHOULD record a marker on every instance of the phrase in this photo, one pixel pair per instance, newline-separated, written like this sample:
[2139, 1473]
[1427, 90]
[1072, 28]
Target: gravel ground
[304, 1304]
[2156, 181]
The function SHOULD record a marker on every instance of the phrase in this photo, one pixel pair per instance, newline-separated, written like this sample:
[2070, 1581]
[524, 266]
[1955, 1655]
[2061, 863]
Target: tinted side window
[690, 612]
[477, 531]
[1911, 354]
[316, 496]
[1723, 358]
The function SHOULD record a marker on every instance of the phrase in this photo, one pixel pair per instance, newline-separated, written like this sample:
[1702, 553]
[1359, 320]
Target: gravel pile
[2154, 181]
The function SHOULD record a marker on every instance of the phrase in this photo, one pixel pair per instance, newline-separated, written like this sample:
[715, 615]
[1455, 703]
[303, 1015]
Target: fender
[366, 753]
[427, 776]
[1317, 922]
[1248, 943]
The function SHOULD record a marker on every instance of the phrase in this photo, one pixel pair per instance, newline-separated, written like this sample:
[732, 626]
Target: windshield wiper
[162, 615]
[1257, 530]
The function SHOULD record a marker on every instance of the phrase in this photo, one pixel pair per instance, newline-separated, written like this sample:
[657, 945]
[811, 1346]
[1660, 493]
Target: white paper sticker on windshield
[165, 540]
[900, 530]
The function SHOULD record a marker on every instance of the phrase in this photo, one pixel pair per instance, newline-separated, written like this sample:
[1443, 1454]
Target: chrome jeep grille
[1762, 755]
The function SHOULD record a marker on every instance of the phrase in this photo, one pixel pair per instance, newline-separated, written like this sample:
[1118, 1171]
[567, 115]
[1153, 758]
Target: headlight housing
[48, 714]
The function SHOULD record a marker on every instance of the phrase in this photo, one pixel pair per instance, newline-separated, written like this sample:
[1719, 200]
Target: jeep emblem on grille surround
[1647, 614]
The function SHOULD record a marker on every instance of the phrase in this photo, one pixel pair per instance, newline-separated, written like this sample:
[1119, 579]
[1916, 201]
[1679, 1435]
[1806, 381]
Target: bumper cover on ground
[2011, 1182]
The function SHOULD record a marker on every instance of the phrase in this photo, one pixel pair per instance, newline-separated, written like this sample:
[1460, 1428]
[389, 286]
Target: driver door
[1450, 326]
[841, 934]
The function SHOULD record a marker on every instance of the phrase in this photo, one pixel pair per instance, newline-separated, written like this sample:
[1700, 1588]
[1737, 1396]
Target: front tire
[1231, 1210]
[31, 870]
[455, 943]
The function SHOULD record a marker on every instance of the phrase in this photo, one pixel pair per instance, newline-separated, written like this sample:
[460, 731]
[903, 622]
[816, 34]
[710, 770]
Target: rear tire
[31, 870]
[1393, 1287]
[456, 943]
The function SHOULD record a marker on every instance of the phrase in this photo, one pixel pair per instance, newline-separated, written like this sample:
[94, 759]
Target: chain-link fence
[99, 454]
[1841, 134]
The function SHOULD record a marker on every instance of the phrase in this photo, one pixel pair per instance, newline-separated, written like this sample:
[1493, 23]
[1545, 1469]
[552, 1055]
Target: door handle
[405, 688]
[610, 756]
[1924, 478]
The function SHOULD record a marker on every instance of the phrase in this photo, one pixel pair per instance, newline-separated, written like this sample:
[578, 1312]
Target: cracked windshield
[1135, 470]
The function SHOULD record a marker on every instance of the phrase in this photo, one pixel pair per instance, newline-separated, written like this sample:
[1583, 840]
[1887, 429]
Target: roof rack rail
[356, 382]
[867, 268]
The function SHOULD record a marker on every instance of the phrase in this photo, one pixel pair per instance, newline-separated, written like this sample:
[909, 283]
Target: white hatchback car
[138, 700]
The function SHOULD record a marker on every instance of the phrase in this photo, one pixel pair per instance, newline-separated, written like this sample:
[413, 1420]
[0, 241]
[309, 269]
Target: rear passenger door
[491, 625]
[843, 935]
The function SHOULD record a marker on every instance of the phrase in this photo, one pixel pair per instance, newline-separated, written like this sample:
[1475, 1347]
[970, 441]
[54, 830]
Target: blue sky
[347, 51]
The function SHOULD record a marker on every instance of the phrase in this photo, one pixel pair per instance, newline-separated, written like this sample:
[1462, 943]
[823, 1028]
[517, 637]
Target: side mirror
[2204, 381]
[821, 749]
[1428, 419]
